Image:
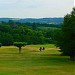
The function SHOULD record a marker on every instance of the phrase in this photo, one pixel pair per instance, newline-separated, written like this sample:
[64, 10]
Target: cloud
[7, 1]
[29, 3]
[74, 2]
[35, 8]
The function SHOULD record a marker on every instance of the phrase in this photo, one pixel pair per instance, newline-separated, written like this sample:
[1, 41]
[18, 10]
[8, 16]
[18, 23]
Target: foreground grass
[33, 62]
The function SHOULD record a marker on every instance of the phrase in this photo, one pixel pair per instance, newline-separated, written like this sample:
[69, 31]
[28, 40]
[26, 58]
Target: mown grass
[33, 62]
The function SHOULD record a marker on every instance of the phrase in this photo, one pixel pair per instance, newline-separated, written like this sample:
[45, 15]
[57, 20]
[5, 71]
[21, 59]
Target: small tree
[19, 45]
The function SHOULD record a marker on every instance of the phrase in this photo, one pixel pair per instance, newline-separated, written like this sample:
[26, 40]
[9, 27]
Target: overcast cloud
[35, 8]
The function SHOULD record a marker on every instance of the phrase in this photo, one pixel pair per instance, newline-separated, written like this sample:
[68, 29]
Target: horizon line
[30, 17]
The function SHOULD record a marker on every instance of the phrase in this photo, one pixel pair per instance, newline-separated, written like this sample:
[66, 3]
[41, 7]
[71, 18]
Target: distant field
[33, 62]
[46, 28]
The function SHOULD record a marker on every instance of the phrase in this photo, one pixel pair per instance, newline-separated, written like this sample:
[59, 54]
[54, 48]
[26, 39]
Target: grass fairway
[33, 62]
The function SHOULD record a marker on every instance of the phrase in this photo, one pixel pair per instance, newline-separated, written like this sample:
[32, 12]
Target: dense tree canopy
[66, 38]
[32, 33]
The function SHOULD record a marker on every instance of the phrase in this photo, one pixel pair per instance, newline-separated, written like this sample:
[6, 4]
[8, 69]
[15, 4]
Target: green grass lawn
[33, 62]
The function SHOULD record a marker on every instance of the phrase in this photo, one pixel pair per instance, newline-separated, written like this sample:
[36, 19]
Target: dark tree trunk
[19, 50]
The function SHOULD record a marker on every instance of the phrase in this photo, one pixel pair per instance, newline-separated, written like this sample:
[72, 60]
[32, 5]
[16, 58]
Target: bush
[19, 44]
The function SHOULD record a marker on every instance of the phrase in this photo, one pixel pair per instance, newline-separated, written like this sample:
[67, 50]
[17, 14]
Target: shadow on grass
[9, 53]
[54, 57]
[37, 57]
[34, 51]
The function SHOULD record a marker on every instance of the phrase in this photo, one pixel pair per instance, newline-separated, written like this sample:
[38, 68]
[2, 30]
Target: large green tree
[66, 38]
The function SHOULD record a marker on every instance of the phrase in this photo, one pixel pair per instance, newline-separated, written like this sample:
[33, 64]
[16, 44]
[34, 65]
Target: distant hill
[37, 20]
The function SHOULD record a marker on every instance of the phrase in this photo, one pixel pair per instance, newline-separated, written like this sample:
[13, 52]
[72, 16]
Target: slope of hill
[37, 20]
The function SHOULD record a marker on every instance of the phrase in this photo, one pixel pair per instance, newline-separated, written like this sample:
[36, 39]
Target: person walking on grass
[43, 48]
[40, 48]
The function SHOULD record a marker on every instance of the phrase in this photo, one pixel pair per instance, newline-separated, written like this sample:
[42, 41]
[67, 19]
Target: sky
[35, 8]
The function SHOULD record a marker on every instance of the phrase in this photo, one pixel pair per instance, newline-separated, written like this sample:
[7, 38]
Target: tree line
[11, 32]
